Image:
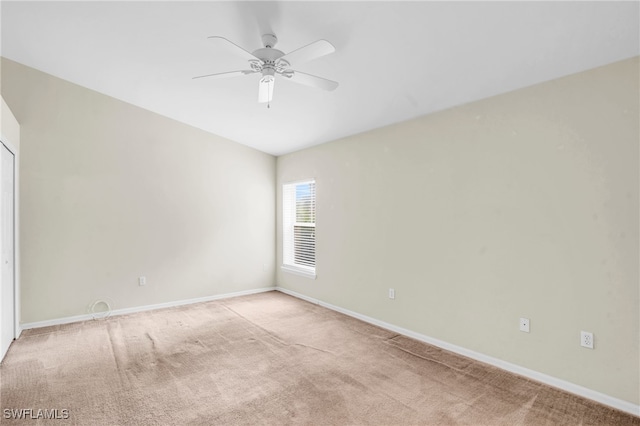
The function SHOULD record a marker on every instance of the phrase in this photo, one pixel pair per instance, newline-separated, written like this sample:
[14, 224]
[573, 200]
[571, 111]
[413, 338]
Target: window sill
[299, 271]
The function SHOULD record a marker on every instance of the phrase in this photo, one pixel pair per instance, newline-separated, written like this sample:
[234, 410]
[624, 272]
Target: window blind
[299, 225]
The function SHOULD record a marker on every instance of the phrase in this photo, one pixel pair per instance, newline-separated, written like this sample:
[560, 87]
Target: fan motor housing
[268, 54]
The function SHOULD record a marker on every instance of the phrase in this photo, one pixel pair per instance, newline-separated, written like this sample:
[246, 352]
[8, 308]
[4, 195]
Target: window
[299, 228]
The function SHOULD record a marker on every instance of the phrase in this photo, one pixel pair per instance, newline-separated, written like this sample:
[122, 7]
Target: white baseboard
[78, 318]
[610, 401]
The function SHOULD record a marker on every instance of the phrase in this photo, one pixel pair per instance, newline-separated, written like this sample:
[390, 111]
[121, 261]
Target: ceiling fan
[269, 62]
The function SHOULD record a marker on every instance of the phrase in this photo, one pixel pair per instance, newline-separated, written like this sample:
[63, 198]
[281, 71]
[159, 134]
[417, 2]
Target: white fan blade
[227, 74]
[312, 80]
[265, 90]
[309, 52]
[233, 48]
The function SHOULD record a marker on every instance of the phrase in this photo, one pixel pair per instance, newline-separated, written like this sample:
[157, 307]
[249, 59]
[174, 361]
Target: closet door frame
[17, 330]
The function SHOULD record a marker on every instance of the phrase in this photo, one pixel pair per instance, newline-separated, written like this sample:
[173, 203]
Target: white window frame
[288, 224]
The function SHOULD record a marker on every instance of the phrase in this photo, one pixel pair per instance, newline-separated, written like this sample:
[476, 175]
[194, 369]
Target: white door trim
[16, 236]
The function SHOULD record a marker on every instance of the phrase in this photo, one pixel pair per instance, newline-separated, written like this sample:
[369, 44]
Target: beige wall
[110, 192]
[9, 127]
[524, 204]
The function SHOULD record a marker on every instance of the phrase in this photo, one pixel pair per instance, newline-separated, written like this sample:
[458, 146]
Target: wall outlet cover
[586, 339]
[524, 324]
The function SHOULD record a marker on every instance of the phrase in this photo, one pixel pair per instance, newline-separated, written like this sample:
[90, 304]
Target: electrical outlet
[586, 339]
[524, 324]
[392, 293]
[142, 280]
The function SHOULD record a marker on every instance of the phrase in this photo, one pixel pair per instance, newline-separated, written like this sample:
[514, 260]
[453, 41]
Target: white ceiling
[394, 60]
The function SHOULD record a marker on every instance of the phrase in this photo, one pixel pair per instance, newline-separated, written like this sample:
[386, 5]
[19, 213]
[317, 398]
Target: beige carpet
[265, 359]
